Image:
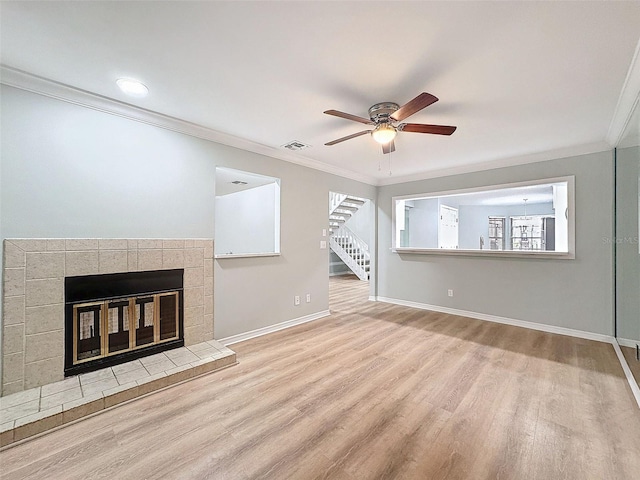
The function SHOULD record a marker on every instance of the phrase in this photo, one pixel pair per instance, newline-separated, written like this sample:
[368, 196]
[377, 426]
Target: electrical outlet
[296, 300]
[450, 292]
[323, 244]
[308, 298]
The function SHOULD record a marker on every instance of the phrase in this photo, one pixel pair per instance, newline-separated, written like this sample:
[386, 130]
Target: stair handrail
[357, 265]
[343, 230]
[335, 199]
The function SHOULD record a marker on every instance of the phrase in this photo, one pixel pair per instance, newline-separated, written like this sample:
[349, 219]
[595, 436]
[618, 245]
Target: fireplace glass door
[168, 316]
[87, 330]
[145, 321]
[118, 312]
[109, 327]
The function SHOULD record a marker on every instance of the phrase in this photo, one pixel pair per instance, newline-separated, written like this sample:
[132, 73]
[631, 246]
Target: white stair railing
[352, 250]
[335, 199]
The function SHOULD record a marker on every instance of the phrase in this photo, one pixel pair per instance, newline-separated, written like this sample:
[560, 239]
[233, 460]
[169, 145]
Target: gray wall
[627, 256]
[574, 294]
[246, 221]
[474, 221]
[70, 171]
[423, 223]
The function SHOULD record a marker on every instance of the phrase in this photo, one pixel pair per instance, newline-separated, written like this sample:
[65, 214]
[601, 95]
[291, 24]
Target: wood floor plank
[374, 391]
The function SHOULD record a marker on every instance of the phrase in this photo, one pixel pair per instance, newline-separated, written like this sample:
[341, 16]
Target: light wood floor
[375, 391]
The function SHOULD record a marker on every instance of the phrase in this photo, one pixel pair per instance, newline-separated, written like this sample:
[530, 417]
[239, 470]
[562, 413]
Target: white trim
[504, 320]
[570, 179]
[372, 298]
[487, 253]
[222, 256]
[23, 80]
[629, 98]
[627, 373]
[241, 337]
[571, 226]
[49, 88]
[625, 342]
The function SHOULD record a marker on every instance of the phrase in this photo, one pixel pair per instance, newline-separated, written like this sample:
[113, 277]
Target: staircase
[351, 249]
[341, 208]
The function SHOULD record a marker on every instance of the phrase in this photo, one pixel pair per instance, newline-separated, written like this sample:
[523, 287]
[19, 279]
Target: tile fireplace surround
[33, 295]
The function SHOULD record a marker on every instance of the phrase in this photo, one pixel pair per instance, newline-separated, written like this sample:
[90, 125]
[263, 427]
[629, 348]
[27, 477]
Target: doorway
[351, 238]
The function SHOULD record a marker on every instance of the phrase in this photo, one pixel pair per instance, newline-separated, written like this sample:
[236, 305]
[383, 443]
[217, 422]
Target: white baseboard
[507, 321]
[241, 337]
[627, 373]
[337, 274]
[625, 342]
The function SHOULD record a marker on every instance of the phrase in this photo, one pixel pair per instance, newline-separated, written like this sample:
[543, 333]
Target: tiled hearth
[39, 409]
[33, 295]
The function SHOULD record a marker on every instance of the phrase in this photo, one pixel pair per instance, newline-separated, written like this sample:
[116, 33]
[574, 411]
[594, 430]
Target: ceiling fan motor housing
[380, 112]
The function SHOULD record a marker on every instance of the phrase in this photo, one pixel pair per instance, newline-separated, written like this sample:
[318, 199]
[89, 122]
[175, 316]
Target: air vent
[239, 182]
[295, 145]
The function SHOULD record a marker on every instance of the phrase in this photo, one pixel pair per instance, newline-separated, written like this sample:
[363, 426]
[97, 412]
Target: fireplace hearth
[115, 318]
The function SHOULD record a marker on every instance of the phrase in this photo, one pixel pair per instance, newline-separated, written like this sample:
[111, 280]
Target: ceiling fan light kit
[385, 117]
[384, 133]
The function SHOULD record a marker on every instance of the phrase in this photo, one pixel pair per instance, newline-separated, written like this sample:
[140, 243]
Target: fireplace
[33, 297]
[115, 318]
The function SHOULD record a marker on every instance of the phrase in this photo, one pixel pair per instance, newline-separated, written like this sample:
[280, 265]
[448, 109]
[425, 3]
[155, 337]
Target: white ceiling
[517, 78]
[226, 176]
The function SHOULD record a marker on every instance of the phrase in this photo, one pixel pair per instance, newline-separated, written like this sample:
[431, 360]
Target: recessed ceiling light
[132, 87]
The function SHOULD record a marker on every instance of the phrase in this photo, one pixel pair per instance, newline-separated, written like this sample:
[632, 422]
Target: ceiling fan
[385, 117]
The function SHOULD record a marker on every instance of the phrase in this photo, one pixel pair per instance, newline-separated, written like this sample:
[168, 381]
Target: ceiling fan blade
[389, 147]
[348, 137]
[348, 116]
[423, 128]
[421, 101]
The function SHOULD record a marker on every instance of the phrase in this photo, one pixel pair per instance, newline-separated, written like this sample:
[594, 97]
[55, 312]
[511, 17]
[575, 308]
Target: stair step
[344, 211]
[353, 200]
[347, 207]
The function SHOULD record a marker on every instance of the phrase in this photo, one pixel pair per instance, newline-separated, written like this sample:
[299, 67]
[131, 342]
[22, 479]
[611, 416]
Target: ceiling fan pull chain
[389, 163]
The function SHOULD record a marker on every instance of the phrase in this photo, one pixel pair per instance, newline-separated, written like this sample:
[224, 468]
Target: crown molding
[16, 78]
[555, 154]
[43, 86]
[627, 102]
